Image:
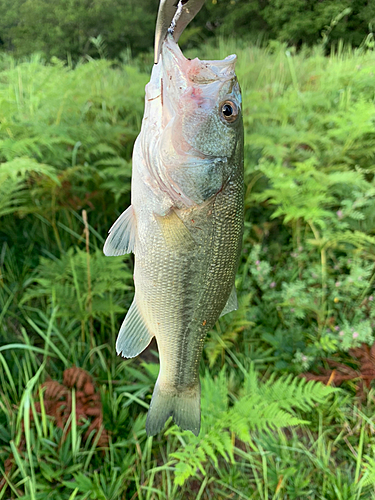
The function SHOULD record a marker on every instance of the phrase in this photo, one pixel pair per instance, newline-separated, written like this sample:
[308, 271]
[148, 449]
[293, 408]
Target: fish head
[197, 118]
[203, 101]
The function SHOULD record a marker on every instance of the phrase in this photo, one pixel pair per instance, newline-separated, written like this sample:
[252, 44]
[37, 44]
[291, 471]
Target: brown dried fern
[57, 401]
[363, 357]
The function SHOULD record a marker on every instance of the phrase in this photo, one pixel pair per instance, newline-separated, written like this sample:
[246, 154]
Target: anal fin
[121, 237]
[134, 335]
[232, 303]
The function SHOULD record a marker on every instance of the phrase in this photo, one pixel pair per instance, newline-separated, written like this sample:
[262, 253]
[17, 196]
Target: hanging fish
[185, 221]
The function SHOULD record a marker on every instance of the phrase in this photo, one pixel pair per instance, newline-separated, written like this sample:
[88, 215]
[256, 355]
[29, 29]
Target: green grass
[306, 286]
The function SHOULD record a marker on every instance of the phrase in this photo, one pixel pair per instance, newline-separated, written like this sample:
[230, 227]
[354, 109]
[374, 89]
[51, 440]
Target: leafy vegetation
[306, 289]
[72, 29]
[64, 28]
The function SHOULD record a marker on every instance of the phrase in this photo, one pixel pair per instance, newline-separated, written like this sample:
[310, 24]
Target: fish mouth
[180, 77]
[174, 16]
[175, 64]
[175, 73]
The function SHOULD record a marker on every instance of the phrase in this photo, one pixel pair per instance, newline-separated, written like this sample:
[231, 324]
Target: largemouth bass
[184, 224]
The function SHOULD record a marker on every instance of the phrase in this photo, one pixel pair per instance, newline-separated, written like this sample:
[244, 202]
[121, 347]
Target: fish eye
[229, 111]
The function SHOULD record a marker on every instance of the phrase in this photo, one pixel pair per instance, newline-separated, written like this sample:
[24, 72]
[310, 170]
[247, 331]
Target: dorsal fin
[121, 237]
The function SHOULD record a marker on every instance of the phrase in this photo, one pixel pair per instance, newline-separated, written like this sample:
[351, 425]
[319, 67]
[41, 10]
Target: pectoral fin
[121, 238]
[232, 303]
[174, 231]
[134, 335]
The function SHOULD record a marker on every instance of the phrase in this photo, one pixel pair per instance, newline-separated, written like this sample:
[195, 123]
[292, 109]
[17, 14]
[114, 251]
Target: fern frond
[262, 407]
[66, 280]
[288, 391]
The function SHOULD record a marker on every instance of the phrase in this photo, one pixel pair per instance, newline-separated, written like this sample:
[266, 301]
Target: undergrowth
[305, 282]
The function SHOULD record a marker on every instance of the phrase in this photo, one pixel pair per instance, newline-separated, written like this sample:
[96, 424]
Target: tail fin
[183, 405]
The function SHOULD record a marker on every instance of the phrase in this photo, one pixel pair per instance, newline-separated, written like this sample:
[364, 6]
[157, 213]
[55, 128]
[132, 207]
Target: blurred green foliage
[64, 27]
[68, 28]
